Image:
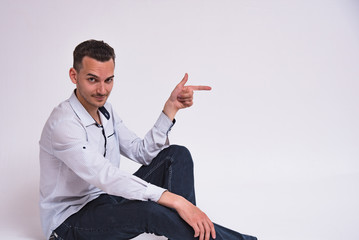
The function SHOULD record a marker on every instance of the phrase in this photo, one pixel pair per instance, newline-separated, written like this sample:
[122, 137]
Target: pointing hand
[181, 97]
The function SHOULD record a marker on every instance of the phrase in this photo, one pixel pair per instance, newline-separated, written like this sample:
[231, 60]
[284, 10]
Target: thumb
[183, 81]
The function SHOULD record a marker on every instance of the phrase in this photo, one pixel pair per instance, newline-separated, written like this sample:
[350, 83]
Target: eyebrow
[93, 75]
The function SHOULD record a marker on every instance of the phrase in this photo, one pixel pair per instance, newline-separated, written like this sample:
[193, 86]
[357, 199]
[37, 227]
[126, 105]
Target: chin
[99, 104]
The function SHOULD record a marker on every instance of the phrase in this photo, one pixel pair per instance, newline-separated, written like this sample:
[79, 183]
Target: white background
[275, 143]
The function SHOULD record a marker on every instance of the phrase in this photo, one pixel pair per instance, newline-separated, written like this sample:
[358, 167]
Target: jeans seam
[91, 229]
[169, 171]
[170, 176]
[113, 200]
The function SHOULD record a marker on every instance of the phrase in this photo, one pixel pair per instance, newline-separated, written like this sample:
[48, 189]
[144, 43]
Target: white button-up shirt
[80, 159]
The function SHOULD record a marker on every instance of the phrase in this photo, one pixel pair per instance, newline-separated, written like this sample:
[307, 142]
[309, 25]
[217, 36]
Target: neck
[96, 117]
[94, 114]
[92, 110]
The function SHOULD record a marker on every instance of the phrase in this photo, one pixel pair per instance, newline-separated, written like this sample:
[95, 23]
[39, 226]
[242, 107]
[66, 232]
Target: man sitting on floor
[83, 192]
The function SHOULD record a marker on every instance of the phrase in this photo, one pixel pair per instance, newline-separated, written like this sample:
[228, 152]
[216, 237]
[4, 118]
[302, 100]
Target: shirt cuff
[154, 192]
[164, 124]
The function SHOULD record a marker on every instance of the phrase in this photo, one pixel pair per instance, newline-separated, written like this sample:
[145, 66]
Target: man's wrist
[170, 110]
[170, 200]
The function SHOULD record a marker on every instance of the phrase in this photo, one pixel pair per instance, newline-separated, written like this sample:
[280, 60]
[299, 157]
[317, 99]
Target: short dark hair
[98, 50]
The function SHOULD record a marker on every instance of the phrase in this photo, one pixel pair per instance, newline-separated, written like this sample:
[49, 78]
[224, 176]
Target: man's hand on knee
[198, 220]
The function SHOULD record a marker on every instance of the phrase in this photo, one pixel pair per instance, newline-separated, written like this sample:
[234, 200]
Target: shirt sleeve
[144, 150]
[69, 144]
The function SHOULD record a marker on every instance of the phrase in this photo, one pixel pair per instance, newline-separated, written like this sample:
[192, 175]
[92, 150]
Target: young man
[83, 192]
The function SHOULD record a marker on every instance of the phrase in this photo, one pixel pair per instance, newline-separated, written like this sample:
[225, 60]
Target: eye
[108, 80]
[92, 80]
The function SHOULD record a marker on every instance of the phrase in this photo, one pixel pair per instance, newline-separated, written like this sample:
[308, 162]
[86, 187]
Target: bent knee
[179, 149]
[181, 154]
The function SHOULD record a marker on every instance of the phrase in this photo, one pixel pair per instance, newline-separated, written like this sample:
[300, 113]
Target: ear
[73, 75]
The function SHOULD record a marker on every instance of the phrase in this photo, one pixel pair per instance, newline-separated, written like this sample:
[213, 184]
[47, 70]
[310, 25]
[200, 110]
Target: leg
[171, 169]
[115, 218]
[228, 234]
[111, 217]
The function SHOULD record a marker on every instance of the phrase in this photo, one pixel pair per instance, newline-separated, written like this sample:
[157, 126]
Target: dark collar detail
[104, 111]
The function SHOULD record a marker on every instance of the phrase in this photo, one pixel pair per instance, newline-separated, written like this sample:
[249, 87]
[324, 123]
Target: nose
[101, 88]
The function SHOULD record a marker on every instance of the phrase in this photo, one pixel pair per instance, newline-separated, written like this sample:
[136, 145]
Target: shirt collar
[82, 113]
[105, 116]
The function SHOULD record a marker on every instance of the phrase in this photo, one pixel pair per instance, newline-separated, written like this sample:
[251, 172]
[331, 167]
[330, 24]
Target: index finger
[200, 88]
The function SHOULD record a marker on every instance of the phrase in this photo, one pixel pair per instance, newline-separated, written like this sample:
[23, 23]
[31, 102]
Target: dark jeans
[110, 217]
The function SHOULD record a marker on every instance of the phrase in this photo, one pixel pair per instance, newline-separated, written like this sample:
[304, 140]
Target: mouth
[100, 98]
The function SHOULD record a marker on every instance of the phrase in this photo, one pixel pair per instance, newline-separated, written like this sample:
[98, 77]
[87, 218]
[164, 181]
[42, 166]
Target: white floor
[149, 237]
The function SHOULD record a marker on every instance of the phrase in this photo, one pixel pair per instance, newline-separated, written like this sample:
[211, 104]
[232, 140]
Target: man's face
[94, 82]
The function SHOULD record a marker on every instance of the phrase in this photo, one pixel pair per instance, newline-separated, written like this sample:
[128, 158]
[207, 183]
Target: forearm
[170, 110]
[143, 150]
[170, 200]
